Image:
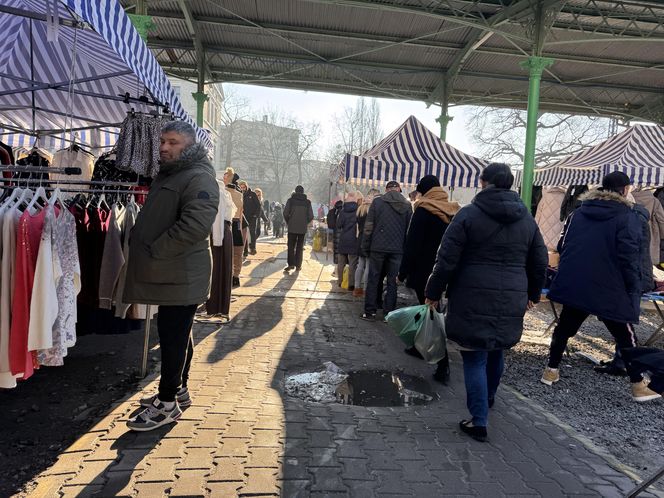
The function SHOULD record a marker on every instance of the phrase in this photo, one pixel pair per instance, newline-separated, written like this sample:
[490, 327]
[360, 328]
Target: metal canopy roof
[609, 54]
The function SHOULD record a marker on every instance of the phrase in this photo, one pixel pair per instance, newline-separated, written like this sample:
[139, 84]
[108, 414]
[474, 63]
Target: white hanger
[25, 196]
[55, 197]
[14, 195]
[39, 194]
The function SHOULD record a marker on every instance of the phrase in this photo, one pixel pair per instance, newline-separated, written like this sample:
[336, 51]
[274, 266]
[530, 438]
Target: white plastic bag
[430, 339]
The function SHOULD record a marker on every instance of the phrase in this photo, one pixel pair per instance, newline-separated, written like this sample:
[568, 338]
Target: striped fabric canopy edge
[409, 153]
[637, 152]
[105, 58]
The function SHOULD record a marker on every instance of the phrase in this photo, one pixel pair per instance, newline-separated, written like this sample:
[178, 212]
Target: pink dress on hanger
[28, 236]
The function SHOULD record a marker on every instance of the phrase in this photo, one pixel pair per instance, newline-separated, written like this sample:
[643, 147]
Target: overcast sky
[318, 106]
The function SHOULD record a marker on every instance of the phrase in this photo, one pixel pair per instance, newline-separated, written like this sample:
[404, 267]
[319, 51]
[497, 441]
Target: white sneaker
[550, 376]
[154, 416]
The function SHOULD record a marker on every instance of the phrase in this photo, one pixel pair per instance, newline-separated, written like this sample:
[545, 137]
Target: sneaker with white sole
[182, 397]
[642, 393]
[550, 376]
[154, 416]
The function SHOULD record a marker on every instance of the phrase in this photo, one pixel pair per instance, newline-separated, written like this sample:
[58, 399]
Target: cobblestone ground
[243, 437]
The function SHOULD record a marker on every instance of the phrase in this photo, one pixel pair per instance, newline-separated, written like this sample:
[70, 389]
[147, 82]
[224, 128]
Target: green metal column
[444, 118]
[200, 96]
[536, 66]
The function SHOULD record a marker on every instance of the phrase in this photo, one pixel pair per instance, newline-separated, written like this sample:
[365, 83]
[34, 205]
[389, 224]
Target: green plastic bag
[407, 321]
[430, 339]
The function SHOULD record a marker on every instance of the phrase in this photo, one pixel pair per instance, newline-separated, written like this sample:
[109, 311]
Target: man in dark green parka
[170, 263]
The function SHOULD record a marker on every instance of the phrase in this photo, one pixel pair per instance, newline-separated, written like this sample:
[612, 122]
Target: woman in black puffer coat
[492, 263]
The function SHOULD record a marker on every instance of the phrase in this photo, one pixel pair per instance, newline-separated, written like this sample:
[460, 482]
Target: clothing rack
[37, 182]
[16, 168]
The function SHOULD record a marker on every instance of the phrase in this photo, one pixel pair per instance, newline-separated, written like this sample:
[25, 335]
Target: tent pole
[146, 343]
[536, 65]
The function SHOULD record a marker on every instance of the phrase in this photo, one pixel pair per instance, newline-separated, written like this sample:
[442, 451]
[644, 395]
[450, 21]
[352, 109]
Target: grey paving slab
[243, 437]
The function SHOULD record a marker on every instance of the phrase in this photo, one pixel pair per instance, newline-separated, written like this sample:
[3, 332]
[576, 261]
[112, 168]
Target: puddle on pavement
[383, 388]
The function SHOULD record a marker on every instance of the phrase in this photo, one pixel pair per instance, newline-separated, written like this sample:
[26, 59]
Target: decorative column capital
[536, 65]
[444, 119]
[143, 24]
[200, 97]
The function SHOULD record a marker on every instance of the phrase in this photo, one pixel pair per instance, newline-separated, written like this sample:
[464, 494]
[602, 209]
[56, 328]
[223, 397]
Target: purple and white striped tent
[638, 151]
[65, 65]
[409, 153]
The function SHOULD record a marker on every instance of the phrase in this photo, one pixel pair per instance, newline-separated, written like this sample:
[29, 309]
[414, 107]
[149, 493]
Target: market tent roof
[638, 151]
[70, 64]
[409, 153]
[607, 53]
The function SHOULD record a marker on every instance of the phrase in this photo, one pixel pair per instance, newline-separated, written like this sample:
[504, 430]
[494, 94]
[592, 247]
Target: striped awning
[637, 151]
[67, 65]
[409, 153]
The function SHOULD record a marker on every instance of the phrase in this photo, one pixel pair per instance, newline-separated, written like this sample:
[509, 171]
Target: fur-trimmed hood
[602, 205]
[605, 195]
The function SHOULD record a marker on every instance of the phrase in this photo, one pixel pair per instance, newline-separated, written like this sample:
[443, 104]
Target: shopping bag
[407, 321]
[344, 280]
[318, 244]
[430, 339]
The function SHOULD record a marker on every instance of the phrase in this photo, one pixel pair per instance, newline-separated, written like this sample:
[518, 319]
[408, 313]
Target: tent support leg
[146, 343]
[536, 66]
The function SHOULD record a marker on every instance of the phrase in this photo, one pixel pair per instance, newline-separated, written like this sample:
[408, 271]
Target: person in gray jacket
[170, 263]
[298, 213]
[384, 240]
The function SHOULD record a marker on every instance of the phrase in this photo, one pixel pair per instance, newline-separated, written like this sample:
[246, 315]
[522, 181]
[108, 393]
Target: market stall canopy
[409, 153]
[76, 65]
[638, 151]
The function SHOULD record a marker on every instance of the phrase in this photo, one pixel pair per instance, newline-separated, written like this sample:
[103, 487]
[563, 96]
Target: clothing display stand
[97, 189]
[146, 343]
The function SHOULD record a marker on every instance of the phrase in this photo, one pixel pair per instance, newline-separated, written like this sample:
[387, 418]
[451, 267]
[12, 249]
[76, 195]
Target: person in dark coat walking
[492, 262]
[298, 213]
[601, 272]
[433, 213]
[278, 221]
[332, 216]
[347, 247]
[252, 212]
[384, 239]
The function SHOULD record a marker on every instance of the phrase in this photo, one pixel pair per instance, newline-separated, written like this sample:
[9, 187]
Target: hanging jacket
[600, 259]
[548, 216]
[170, 262]
[492, 261]
[387, 224]
[298, 213]
[655, 221]
[347, 228]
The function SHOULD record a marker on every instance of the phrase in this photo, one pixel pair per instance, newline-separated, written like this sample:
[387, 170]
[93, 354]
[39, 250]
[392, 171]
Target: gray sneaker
[182, 397]
[154, 416]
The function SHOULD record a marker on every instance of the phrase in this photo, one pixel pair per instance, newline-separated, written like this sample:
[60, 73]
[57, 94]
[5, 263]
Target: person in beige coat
[656, 221]
[170, 263]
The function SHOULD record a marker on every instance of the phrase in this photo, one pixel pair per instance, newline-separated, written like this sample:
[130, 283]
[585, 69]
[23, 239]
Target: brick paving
[242, 437]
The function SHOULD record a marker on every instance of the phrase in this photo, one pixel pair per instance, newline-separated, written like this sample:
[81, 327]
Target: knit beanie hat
[427, 183]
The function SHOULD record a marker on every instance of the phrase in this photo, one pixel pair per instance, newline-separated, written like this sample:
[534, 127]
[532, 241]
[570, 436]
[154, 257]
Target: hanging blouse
[69, 285]
[28, 237]
[76, 158]
[138, 144]
[9, 217]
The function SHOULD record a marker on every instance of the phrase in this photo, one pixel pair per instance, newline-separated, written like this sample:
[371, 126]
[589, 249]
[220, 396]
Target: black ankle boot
[477, 433]
[442, 374]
